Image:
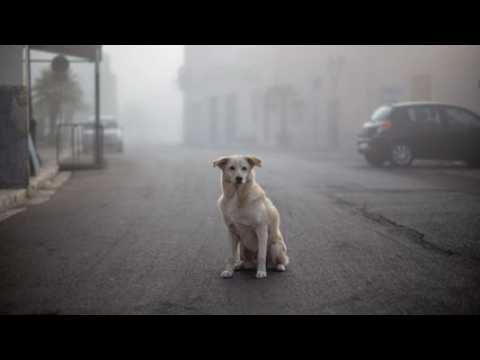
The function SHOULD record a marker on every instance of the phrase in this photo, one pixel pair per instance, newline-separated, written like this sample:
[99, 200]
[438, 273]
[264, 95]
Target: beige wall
[454, 72]
[249, 71]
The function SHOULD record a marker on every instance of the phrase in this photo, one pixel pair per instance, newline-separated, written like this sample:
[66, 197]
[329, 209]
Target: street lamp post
[98, 152]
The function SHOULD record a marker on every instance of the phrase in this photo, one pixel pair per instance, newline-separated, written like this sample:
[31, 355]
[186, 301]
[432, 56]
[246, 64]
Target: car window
[404, 115]
[427, 117]
[460, 119]
[411, 114]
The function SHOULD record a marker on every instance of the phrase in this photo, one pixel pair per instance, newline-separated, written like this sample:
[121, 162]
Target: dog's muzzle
[239, 180]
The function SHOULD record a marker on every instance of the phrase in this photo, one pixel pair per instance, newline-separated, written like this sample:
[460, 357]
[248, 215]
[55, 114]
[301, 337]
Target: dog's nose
[239, 179]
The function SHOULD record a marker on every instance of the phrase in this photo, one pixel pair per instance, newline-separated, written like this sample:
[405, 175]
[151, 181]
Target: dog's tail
[278, 253]
[279, 248]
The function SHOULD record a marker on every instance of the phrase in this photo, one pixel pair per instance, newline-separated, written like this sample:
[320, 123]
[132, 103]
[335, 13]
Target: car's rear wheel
[401, 155]
[375, 160]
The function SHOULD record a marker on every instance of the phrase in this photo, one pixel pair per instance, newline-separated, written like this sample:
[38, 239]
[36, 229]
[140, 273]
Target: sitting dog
[252, 220]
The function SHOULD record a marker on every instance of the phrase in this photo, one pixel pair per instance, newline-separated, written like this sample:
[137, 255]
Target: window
[427, 117]
[401, 114]
[213, 104]
[402, 117]
[411, 114]
[458, 118]
[231, 116]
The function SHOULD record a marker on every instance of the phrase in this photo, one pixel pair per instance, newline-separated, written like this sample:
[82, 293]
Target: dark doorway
[231, 117]
[213, 120]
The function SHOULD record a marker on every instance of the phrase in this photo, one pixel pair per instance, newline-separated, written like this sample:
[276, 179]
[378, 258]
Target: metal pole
[72, 134]
[29, 79]
[29, 102]
[49, 61]
[98, 159]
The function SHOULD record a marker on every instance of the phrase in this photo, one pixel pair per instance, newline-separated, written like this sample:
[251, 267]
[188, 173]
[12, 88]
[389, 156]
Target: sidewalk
[13, 197]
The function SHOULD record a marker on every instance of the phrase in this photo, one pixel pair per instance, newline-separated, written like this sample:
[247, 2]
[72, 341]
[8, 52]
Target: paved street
[144, 237]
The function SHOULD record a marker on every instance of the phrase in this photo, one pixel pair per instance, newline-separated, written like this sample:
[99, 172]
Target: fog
[357, 167]
[314, 97]
[148, 99]
[298, 97]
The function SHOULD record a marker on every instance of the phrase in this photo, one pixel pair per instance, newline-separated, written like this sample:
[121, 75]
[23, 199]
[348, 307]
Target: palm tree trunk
[53, 124]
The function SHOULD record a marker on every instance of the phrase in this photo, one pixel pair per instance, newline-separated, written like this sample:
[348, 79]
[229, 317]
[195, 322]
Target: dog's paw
[226, 274]
[281, 268]
[261, 274]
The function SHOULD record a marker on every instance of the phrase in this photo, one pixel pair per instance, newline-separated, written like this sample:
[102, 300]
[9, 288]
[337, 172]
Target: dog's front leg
[233, 260]
[262, 237]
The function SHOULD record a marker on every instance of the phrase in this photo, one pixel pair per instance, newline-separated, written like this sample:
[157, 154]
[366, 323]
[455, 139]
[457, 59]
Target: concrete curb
[46, 173]
[16, 197]
[11, 198]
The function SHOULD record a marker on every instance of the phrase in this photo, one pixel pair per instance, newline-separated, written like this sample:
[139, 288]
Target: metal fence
[76, 146]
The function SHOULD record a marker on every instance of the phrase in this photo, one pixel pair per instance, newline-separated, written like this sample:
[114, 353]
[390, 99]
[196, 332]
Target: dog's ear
[254, 161]
[221, 162]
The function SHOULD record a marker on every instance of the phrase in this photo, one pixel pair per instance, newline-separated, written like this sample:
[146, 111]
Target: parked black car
[402, 132]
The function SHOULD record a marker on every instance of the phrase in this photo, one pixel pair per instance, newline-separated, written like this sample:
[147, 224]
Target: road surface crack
[393, 227]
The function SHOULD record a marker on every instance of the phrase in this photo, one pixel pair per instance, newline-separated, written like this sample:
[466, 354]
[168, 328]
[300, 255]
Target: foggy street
[144, 236]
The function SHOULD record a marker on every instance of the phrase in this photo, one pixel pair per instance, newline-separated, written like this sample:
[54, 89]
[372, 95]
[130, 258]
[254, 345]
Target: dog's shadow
[249, 274]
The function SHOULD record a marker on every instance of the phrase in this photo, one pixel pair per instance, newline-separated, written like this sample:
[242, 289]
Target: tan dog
[252, 220]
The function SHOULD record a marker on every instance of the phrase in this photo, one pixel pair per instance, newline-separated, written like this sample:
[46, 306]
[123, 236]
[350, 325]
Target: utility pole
[29, 85]
[29, 98]
[98, 135]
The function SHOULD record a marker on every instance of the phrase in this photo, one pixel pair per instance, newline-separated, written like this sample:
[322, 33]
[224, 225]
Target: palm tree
[57, 97]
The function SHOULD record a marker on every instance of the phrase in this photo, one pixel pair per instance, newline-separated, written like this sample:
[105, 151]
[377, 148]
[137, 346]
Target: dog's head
[237, 169]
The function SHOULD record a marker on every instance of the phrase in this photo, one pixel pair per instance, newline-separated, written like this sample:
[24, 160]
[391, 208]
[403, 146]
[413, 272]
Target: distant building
[313, 97]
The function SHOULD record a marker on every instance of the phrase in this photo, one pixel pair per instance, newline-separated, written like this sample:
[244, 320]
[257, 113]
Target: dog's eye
[244, 168]
[232, 167]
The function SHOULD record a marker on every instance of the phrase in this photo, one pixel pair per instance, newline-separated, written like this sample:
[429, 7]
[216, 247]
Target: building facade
[313, 97]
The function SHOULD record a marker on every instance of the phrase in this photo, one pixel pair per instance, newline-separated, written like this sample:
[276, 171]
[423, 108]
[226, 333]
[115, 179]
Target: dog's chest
[238, 215]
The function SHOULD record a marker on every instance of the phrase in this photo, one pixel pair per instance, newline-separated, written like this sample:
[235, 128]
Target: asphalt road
[144, 237]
